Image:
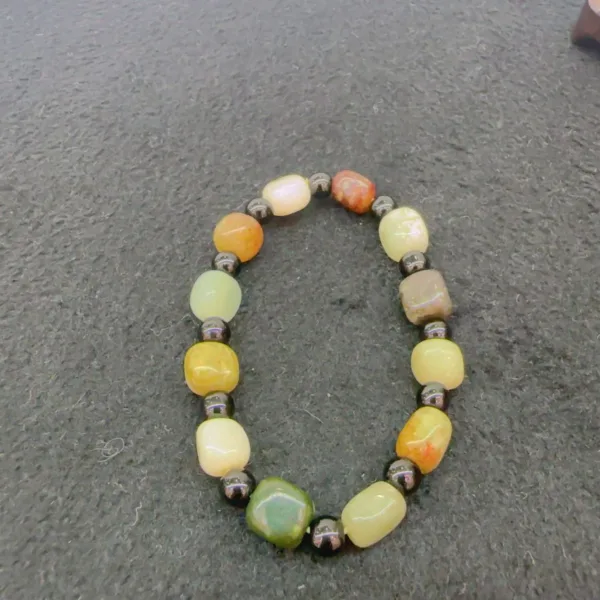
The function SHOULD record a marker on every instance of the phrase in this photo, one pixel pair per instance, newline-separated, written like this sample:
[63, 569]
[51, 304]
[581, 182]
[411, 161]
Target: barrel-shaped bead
[287, 195]
[211, 367]
[215, 294]
[222, 446]
[240, 234]
[353, 191]
[438, 361]
[402, 230]
[424, 297]
[425, 438]
[373, 513]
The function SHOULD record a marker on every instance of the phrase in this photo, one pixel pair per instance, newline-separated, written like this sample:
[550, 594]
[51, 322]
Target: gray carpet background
[128, 128]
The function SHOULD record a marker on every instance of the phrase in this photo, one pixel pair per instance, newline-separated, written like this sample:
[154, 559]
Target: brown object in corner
[586, 31]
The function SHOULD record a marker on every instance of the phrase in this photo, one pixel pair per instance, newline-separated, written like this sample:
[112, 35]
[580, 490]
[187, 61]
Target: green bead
[215, 294]
[279, 512]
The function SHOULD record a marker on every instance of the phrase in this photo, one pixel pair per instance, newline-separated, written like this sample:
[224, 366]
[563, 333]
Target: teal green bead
[280, 512]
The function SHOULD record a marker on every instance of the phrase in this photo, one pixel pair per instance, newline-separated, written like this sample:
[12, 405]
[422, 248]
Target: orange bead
[240, 234]
[353, 191]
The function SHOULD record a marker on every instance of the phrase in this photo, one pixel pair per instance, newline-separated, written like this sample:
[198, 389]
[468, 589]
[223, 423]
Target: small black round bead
[227, 262]
[237, 487]
[320, 185]
[259, 209]
[382, 206]
[412, 262]
[433, 394]
[437, 329]
[218, 405]
[403, 474]
[327, 535]
[214, 329]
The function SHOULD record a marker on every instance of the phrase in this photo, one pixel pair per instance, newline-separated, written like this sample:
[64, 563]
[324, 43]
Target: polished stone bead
[373, 513]
[440, 361]
[218, 405]
[353, 191]
[287, 195]
[320, 185]
[424, 297]
[412, 262]
[239, 234]
[214, 329]
[382, 206]
[403, 230]
[227, 262]
[215, 294]
[425, 438]
[237, 487]
[211, 367]
[436, 330]
[327, 535]
[279, 512]
[259, 209]
[222, 446]
[403, 474]
[433, 394]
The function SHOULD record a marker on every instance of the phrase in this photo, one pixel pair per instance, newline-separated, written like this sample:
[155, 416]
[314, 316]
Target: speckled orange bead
[353, 191]
[425, 438]
[211, 367]
[240, 234]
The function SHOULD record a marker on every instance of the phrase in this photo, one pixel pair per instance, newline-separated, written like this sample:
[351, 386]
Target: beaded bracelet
[278, 510]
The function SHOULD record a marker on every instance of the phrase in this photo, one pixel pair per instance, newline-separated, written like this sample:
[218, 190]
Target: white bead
[287, 195]
[222, 446]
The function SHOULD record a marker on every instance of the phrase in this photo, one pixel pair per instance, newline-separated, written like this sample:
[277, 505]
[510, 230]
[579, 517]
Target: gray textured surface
[128, 128]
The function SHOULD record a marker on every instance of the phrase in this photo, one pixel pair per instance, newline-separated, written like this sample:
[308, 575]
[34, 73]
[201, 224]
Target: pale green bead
[215, 294]
[403, 230]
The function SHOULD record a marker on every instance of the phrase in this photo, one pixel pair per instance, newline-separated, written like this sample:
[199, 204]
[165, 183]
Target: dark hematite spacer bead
[320, 185]
[382, 206]
[412, 262]
[214, 329]
[437, 329]
[326, 535]
[433, 394]
[218, 405]
[237, 487]
[259, 209]
[227, 262]
[403, 474]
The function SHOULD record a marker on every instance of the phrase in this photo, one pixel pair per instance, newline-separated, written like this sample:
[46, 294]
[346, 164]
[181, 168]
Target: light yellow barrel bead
[373, 513]
[403, 230]
[211, 367]
[438, 361]
[215, 294]
[222, 446]
[287, 195]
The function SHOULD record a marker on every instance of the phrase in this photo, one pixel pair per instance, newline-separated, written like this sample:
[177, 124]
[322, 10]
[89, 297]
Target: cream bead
[222, 446]
[287, 195]
[373, 513]
[215, 294]
[438, 361]
[403, 230]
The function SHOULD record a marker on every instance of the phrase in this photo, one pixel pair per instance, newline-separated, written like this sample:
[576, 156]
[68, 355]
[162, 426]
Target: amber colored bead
[353, 191]
[240, 234]
[211, 367]
[425, 438]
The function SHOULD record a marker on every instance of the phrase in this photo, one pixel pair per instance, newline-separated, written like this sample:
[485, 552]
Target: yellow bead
[215, 294]
[211, 367]
[287, 195]
[373, 513]
[403, 230]
[425, 438]
[438, 361]
[222, 446]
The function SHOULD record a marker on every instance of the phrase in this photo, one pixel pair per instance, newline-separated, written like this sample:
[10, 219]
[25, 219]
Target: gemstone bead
[222, 446]
[215, 294]
[435, 330]
[327, 535]
[227, 262]
[425, 438]
[353, 191]
[211, 367]
[412, 262]
[320, 185]
[424, 297]
[237, 487]
[403, 474]
[287, 195]
[214, 329]
[433, 394]
[373, 513]
[382, 206]
[240, 234]
[259, 209]
[279, 512]
[218, 405]
[438, 360]
[402, 230]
